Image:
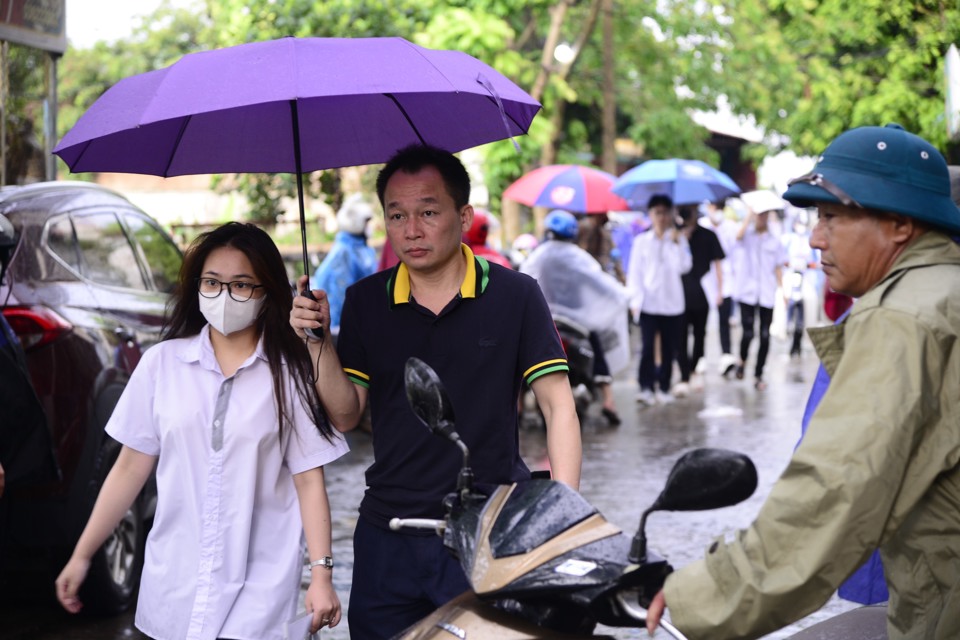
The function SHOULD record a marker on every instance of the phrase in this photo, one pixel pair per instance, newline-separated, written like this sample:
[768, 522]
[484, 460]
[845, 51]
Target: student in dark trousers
[707, 254]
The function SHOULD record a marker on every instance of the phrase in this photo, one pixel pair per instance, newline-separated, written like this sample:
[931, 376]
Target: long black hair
[280, 342]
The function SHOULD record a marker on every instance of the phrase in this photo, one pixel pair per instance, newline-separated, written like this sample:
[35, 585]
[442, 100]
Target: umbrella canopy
[685, 181]
[293, 105]
[340, 101]
[569, 187]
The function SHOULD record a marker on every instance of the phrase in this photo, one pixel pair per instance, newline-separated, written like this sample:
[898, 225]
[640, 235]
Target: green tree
[663, 54]
[23, 111]
[812, 69]
[159, 40]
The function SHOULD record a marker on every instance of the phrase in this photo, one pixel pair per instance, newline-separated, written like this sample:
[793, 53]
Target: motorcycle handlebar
[418, 523]
[639, 614]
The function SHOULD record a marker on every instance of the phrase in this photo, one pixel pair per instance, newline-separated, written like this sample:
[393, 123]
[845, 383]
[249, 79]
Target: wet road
[623, 470]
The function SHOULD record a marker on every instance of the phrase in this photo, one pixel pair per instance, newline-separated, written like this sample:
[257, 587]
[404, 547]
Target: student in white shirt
[726, 230]
[226, 408]
[758, 260]
[658, 259]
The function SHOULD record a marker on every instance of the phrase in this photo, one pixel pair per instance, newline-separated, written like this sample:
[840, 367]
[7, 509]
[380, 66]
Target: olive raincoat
[879, 466]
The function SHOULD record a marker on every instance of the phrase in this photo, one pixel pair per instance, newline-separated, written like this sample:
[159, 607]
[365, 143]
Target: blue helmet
[561, 225]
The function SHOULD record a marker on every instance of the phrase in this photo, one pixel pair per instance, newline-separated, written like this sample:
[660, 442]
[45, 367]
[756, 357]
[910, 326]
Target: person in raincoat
[575, 286]
[879, 465]
[349, 260]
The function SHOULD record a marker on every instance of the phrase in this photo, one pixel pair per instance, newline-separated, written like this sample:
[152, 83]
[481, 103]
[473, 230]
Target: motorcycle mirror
[701, 479]
[707, 479]
[428, 398]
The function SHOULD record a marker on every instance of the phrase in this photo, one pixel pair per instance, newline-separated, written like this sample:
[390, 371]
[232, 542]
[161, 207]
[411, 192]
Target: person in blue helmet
[576, 287]
[350, 258]
[879, 465]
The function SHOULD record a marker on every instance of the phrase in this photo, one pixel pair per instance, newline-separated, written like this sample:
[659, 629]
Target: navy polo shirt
[494, 335]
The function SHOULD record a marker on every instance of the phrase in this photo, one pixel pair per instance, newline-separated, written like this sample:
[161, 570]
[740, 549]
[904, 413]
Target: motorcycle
[544, 563]
[575, 339]
[541, 560]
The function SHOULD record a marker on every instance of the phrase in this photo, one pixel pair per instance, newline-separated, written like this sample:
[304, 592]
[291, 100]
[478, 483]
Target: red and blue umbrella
[569, 187]
[685, 181]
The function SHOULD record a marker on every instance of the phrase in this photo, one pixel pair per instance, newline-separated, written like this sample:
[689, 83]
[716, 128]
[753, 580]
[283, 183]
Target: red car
[85, 292]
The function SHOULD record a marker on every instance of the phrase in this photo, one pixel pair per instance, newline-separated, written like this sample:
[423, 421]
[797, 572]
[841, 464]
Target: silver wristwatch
[325, 561]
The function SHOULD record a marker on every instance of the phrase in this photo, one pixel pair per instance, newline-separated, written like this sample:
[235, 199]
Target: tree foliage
[805, 69]
[22, 113]
[812, 69]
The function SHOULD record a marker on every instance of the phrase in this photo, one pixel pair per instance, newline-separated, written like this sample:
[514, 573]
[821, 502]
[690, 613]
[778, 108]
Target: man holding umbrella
[486, 330]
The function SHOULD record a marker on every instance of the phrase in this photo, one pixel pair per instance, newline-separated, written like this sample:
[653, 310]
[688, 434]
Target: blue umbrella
[685, 181]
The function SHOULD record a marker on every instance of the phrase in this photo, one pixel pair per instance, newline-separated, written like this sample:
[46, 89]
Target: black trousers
[724, 311]
[397, 580]
[747, 314]
[696, 320]
[669, 329]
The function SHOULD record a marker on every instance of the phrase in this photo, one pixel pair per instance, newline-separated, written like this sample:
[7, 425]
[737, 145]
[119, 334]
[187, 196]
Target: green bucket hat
[881, 168]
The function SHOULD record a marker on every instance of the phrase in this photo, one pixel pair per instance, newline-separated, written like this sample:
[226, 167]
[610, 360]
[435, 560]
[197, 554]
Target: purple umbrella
[293, 105]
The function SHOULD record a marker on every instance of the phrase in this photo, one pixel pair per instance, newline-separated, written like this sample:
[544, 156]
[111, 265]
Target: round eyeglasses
[238, 289]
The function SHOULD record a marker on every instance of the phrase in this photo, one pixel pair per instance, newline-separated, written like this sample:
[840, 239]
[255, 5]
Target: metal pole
[3, 113]
[50, 118]
[299, 169]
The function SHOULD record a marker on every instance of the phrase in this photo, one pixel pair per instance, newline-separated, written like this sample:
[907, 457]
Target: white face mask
[226, 315]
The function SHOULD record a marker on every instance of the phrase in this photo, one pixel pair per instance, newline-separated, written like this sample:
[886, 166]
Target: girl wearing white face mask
[227, 409]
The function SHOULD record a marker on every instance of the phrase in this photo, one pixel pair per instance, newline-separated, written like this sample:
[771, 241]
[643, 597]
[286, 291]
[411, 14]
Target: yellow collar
[468, 288]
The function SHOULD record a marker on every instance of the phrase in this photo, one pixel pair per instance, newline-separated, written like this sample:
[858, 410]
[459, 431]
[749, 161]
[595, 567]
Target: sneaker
[701, 366]
[664, 397]
[613, 418]
[646, 397]
[727, 364]
[681, 390]
[759, 384]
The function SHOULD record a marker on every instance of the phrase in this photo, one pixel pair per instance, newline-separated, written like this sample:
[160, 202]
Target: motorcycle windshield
[540, 535]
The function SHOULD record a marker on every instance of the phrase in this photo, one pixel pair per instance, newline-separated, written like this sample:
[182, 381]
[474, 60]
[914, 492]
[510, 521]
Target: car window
[107, 256]
[162, 256]
[60, 241]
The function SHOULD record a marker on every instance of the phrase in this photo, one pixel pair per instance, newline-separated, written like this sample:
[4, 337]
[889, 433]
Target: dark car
[85, 293]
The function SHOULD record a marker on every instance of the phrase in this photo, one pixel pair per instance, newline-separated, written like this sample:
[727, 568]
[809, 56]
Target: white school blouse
[223, 557]
[654, 273]
[755, 260]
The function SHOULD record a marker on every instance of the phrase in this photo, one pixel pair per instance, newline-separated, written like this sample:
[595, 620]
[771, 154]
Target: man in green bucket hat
[879, 466]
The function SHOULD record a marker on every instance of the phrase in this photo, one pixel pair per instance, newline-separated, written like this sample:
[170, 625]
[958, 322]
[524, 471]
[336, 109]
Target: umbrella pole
[299, 170]
[316, 334]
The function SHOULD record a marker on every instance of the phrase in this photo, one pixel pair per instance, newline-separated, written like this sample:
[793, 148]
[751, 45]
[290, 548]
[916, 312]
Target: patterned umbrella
[569, 187]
